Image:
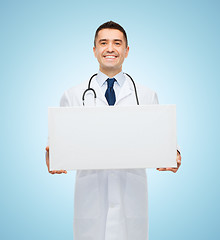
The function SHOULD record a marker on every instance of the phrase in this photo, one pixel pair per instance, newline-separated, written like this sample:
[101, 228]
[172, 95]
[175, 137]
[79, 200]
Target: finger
[178, 162]
[161, 169]
[47, 156]
[55, 172]
[174, 170]
[168, 169]
[47, 161]
[178, 158]
[47, 148]
[58, 171]
[48, 168]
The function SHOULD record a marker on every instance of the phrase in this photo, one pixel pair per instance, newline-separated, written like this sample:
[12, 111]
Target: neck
[110, 72]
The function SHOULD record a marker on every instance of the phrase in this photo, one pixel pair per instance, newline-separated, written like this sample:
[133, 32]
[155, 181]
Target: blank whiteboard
[114, 137]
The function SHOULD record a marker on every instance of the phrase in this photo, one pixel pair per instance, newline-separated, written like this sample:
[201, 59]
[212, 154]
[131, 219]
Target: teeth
[110, 57]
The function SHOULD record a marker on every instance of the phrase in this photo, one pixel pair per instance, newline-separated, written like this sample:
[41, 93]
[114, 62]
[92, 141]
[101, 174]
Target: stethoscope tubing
[91, 89]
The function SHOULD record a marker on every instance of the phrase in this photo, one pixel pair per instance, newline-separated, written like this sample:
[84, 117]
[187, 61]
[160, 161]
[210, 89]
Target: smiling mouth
[110, 57]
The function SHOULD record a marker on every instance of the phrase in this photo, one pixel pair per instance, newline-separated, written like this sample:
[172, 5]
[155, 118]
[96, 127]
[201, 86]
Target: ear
[127, 51]
[94, 51]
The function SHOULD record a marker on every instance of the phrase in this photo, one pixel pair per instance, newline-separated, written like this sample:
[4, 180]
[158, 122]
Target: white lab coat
[110, 204]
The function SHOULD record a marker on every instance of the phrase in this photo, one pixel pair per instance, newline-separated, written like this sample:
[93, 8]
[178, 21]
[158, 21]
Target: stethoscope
[94, 93]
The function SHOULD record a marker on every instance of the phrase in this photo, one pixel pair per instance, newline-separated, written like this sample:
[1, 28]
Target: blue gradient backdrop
[46, 47]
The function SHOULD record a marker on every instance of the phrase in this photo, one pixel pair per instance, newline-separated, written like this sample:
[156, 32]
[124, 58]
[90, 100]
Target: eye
[117, 43]
[103, 43]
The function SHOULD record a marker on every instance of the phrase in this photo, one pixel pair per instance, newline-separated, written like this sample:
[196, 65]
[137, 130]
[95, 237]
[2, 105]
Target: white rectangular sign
[118, 137]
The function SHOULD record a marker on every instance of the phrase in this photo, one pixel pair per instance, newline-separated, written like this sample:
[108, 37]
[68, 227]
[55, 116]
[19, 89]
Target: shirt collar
[101, 78]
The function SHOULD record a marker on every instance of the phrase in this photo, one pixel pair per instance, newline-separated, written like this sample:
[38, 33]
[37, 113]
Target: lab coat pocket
[87, 201]
[135, 196]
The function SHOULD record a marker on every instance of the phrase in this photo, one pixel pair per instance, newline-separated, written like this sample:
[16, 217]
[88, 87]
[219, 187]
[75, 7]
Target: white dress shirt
[102, 81]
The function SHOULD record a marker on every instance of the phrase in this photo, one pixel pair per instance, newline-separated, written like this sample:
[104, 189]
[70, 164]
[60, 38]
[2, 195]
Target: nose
[110, 47]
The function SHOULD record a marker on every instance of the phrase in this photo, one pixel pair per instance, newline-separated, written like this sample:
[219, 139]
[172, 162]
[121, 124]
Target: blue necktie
[110, 93]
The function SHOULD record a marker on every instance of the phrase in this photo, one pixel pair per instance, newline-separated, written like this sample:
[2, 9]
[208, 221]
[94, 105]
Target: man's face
[110, 50]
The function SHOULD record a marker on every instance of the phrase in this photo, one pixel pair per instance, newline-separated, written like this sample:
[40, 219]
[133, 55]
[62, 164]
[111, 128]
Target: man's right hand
[48, 164]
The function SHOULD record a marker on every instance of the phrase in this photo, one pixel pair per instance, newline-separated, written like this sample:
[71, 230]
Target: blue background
[46, 47]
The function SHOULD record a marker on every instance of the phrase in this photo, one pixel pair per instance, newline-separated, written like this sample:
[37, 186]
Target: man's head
[111, 25]
[110, 48]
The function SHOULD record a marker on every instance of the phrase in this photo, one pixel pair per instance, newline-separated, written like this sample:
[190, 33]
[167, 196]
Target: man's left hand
[178, 160]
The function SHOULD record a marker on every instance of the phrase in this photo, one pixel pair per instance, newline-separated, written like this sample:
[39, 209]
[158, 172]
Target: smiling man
[110, 204]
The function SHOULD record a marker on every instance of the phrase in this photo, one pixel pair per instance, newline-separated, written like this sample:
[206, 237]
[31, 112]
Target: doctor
[110, 204]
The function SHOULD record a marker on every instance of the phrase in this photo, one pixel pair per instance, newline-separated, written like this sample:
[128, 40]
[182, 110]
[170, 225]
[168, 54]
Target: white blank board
[118, 137]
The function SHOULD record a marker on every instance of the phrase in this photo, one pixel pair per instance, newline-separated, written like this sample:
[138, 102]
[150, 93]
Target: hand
[48, 162]
[178, 160]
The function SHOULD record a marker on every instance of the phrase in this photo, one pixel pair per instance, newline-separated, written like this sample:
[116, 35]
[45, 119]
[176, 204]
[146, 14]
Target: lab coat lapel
[125, 92]
[99, 94]
[101, 100]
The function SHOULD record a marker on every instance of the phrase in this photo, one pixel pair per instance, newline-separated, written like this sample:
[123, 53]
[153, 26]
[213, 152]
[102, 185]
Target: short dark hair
[111, 25]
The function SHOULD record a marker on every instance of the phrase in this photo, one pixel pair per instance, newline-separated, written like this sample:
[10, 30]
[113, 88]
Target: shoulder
[73, 95]
[145, 94]
[143, 89]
